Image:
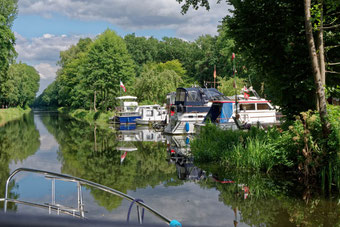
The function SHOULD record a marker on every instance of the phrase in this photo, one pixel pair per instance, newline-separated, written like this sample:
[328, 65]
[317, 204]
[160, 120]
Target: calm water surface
[148, 165]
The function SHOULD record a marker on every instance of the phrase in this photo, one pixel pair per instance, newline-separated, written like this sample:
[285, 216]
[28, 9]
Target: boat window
[130, 108]
[149, 113]
[247, 106]
[190, 116]
[193, 96]
[263, 106]
[180, 96]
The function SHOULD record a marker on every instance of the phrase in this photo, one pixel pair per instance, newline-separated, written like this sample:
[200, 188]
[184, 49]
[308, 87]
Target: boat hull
[128, 119]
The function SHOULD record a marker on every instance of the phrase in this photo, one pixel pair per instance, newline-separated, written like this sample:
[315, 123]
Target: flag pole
[234, 72]
[214, 76]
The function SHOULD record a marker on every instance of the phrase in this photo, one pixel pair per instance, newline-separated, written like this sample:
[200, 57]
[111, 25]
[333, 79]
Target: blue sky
[43, 28]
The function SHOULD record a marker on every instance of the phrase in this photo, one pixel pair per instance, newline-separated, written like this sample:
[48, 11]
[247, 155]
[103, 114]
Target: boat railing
[77, 212]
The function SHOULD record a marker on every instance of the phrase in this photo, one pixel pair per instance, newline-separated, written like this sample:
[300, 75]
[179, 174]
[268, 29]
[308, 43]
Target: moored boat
[242, 111]
[151, 114]
[191, 106]
[127, 111]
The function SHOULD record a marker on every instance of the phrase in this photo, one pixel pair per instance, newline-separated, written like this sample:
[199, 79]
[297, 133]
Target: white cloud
[43, 49]
[47, 36]
[46, 71]
[134, 15]
[43, 54]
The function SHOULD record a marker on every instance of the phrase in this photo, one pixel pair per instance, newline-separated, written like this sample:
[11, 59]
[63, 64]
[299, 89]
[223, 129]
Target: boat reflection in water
[180, 155]
[143, 134]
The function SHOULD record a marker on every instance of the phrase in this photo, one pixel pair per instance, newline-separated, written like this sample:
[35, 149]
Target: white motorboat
[242, 111]
[127, 111]
[151, 114]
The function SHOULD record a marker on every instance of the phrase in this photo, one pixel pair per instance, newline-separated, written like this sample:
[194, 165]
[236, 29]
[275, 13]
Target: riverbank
[11, 114]
[299, 146]
[99, 118]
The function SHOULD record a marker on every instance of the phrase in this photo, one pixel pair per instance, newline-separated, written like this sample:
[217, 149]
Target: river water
[153, 167]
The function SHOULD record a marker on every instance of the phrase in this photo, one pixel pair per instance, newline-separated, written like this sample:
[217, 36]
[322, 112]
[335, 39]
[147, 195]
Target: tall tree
[21, 85]
[156, 80]
[318, 67]
[8, 12]
[108, 62]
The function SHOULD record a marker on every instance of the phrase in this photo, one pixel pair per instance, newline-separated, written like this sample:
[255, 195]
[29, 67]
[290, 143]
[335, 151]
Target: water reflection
[160, 170]
[18, 140]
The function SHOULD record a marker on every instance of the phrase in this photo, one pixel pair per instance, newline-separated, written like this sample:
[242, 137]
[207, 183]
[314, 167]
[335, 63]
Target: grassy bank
[300, 147]
[100, 118]
[11, 114]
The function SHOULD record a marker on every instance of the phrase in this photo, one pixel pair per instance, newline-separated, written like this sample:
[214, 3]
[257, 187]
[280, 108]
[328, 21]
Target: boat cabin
[195, 98]
[127, 104]
[250, 111]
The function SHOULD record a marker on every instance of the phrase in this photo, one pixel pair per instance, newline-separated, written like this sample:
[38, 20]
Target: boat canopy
[220, 111]
[197, 96]
[126, 97]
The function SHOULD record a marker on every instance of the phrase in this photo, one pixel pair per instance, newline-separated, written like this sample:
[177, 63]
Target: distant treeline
[149, 68]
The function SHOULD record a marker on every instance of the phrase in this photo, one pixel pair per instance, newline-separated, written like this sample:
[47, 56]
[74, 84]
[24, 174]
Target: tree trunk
[320, 90]
[321, 47]
[94, 101]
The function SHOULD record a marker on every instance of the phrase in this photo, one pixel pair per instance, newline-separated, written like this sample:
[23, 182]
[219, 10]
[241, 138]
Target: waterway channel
[149, 165]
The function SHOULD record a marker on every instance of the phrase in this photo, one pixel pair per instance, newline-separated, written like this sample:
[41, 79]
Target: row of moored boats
[188, 109]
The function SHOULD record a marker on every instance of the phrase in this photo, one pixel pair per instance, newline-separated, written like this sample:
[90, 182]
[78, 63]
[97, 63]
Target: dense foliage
[300, 148]
[18, 82]
[157, 80]
[157, 67]
[270, 35]
[21, 85]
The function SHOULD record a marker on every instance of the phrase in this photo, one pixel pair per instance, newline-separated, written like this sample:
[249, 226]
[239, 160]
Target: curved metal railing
[81, 182]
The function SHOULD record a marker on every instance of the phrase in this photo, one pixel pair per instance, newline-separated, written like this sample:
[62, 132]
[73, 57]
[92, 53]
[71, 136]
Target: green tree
[108, 62]
[142, 50]
[8, 12]
[21, 85]
[226, 86]
[71, 77]
[157, 80]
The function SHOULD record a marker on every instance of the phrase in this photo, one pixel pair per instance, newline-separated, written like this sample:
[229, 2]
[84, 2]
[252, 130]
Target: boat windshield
[193, 96]
[180, 95]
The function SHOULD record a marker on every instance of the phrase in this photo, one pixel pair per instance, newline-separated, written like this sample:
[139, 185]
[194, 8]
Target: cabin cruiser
[191, 106]
[241, 112]
[127, 111]
[151, 114]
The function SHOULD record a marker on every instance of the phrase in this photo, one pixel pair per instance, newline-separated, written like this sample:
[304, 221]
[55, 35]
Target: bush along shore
[99, 118]
[11, 114]
[298, 147]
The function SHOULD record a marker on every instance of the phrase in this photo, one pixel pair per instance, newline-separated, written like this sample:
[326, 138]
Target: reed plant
[300, 148]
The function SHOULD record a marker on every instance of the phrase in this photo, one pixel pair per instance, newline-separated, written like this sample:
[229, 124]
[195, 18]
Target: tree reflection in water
[273, 201]
[19, 139]
[91, 153]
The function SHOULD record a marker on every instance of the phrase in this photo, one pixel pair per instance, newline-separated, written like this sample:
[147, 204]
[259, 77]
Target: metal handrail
[47, 206]
[83, 182]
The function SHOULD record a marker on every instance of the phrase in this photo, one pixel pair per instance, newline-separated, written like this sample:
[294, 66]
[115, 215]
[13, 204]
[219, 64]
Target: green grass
[301, 147]
[100, 118]
[11, 114]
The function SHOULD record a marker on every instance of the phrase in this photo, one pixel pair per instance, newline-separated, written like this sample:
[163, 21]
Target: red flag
[233, 56]
[123, 157]
[246, 95]
[122, 86]
[214, 71]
